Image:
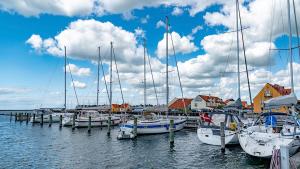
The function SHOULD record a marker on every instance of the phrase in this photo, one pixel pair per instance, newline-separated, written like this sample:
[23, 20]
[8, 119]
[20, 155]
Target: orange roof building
[267, 92]
[179, 103]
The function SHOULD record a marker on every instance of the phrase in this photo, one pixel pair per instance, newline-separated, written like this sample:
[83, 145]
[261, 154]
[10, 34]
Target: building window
[196, 105]
[268, 93]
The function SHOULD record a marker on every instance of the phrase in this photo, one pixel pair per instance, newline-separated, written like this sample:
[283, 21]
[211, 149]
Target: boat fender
[233, 126]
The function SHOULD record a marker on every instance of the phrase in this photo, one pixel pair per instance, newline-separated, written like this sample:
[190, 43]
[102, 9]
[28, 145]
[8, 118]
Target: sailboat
[208, 131]
[97, 119]
[272, 129]
[151, 123]
[55, 116]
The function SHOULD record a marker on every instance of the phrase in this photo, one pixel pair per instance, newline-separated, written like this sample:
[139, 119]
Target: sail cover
[287, 100]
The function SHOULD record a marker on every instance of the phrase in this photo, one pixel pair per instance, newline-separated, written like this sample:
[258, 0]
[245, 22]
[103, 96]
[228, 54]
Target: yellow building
[267, 92]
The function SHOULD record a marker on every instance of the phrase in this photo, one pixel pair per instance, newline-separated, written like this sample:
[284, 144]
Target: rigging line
[178, 74]
[113, 50]
[149, 62]
[296, 24]
[245, 57]
[227, 61]
[103, 74]
[282, 22]
[74, 88]
[271, 34]
[98, 72]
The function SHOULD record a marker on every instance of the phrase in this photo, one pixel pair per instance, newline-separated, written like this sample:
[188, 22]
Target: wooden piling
[90, 124]
[284, 157]
[108, 125]
[33, 119]
[16, 117]
[60, 121]
[27, 118]
[135, 126]
[222, 134]
[171, 132]
[50, 120]
[73, 122]
[10, 116]
[42, 119]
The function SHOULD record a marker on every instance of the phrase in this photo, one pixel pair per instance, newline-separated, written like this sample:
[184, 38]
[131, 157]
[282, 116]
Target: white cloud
[78, 84]
[12, 90]
[58, 7]
[177, 11]
[194, 31]
[145, 19]
[181, 44]
[78, 71]
[139, 32]
[35, 41]
[160, 23]
[82, 37]
[98, 7]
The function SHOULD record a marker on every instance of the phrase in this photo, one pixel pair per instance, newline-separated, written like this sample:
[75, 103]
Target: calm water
[27, 146]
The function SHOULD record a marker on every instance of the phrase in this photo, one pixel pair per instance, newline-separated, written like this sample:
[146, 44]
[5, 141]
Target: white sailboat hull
[95, 122]
[260, 144]
[46, 119]
[159, 127]
[212, 136]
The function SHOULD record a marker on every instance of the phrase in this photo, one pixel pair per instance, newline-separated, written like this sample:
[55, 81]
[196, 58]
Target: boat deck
[296, 159]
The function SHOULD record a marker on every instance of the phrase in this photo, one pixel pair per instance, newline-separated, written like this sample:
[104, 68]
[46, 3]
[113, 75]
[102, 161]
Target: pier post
[33, 119]
[284, 157]
[108, 125]
[50, 120]
[90, 123]
[73, 122]
[222, 134]
[10, 116]
[27, 118]
[60, 121]
[171, 132]
[16, 117]
[42, 119]
[135, 126]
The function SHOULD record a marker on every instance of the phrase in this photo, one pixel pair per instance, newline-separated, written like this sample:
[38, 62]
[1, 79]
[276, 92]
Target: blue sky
[32, 76]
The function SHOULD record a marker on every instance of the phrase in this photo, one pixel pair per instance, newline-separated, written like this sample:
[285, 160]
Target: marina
[166, 84]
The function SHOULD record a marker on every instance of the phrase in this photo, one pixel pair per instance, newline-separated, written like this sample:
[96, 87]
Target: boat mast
[290, 46]
[145, 84]
[238, 51]
[110, 79]
[98, 76]
[167, 65]
[65, 105]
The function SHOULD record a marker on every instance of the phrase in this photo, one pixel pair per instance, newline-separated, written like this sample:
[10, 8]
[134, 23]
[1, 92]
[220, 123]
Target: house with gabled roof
[206, 102]
[269, 91]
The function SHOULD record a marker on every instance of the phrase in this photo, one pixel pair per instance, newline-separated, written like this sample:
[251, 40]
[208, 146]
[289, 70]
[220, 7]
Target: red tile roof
[228, 100]
[281, 89]
[178, 103]
[209, 98]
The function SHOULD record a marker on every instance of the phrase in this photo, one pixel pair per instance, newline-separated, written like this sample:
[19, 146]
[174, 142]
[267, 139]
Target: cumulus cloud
[97, 7]
[177, 11]
[139, 32]
[181, 44]
[78, 84]
[59, 7]
[35, 41]
[145, 19]
[78, 71]
[82, 37]
[160, 23]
